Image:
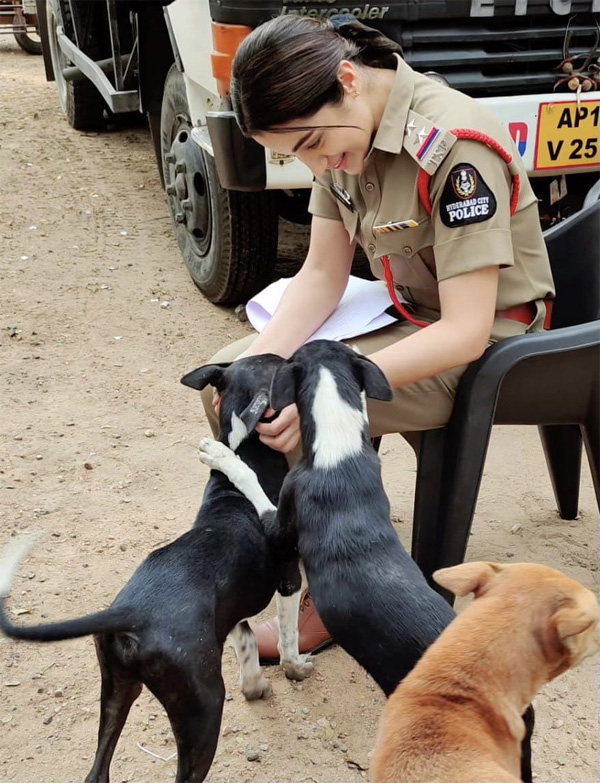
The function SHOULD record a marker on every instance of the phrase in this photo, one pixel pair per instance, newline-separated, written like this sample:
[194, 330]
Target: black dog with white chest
[371, 595]
[167, 627]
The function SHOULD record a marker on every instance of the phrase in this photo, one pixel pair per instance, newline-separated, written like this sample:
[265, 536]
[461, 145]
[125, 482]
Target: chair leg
[466, 451]
[591, 436]
[430, 463]
[562, 449]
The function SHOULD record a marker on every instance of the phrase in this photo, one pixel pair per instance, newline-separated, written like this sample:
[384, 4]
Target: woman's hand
[282, 434]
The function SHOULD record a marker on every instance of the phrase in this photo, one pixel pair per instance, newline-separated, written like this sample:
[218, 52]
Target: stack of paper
[361, 309]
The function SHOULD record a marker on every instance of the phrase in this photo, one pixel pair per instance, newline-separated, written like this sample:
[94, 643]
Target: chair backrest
[574, 249]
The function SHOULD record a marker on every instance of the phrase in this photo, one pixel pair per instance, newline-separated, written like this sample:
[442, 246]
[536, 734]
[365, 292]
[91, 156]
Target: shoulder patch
[426, 143]
[466, 198]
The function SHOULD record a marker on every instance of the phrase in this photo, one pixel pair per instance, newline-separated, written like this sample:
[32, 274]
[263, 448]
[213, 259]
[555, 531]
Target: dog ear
[571, 622]
[283, 386]
[209, 373]
[251, 415]
[374, 382]
[467, 577]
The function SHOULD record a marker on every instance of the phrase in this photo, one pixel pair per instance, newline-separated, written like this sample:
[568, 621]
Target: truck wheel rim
[59, 61]
[187, 186]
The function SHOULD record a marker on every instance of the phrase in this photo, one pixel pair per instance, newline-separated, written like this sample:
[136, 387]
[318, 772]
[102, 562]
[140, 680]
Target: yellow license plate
[567, 135]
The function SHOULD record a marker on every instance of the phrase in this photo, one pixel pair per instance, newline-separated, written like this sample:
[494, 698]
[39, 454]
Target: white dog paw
[214, 453]
[258, 689]
[298, 668]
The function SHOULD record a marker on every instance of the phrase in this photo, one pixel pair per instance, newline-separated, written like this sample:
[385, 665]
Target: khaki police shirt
[436, 249]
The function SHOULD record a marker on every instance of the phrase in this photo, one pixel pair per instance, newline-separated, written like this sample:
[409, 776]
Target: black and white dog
[167, 627]
[371, 595]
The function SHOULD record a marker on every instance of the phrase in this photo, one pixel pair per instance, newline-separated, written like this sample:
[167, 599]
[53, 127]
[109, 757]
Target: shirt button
[407, 250]
[372, 248]
[370, 187]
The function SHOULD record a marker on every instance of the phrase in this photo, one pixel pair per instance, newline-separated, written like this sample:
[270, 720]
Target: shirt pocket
[402, 247]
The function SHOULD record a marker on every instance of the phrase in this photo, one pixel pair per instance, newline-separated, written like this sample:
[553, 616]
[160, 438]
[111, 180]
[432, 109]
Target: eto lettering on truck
[567, 135]
[487, 7]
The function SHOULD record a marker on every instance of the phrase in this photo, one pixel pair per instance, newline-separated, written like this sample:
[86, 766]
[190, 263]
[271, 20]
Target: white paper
[361, 309]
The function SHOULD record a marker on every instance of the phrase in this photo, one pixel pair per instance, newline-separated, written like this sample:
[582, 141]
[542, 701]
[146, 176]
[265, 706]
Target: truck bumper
[554, 134]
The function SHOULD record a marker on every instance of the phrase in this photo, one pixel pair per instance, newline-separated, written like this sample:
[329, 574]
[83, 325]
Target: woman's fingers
[285, 442]
[282, 434]
[287, 417]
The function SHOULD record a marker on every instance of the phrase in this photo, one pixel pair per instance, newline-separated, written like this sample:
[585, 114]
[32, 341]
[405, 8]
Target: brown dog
[457, 715]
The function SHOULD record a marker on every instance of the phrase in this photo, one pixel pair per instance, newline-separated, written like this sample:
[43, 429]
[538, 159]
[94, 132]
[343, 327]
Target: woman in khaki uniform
[338, 96]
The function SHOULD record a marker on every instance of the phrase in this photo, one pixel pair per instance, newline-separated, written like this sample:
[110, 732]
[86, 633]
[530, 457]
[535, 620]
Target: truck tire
[80, 100]
[228, 239]
[28, 44]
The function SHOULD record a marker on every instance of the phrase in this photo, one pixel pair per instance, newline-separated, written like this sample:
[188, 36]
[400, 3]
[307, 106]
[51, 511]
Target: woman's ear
[283, 386]
[349, 78]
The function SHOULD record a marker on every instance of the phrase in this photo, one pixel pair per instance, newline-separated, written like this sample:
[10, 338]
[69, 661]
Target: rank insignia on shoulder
[395, 225]
[466, 198]
[342, 196]
[425, 142]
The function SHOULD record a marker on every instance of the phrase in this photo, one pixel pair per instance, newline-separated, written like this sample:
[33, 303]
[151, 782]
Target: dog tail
[106, 620]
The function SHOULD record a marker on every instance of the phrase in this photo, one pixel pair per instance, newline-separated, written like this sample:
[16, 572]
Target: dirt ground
[98, 452]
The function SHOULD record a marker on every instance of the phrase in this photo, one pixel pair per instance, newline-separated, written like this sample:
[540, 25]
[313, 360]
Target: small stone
[47, 720]
[7, 719]
[122, 547]
[149, 433]
[515, 528]
[165, 304]
[12, 683]
[558, 724]
[228, 697]
[39, 456]
[58, 693]
[252, 755]
[240, 312]
[305, 711]
[264, 747]
[88, 466]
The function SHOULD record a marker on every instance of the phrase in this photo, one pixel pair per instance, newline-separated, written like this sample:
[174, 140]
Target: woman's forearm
[424, 354]
[309, 300]
[459, 337]
[313, 294]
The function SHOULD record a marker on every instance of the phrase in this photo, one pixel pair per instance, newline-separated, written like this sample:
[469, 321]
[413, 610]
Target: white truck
[533, 62]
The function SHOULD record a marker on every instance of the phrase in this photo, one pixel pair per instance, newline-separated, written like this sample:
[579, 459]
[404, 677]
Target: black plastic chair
[550, 379]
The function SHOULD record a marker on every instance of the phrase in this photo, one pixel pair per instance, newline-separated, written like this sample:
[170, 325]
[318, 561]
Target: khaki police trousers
[425, 405]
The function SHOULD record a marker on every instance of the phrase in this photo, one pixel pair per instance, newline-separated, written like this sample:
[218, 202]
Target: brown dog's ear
[209, 373]
[467, 577]
[570, 622]
[283, 386]
[374, 382]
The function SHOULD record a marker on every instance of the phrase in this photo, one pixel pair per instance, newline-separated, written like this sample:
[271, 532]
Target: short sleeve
[470, 196]
[322, 202]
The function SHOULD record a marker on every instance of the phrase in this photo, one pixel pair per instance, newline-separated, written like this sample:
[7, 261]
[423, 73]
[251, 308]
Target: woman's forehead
[286, 142]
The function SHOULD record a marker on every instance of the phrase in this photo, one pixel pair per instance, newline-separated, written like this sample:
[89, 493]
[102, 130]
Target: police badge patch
[466, 198]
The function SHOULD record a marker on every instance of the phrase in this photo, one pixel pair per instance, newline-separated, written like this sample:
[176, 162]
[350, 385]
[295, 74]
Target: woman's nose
[316, 163]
